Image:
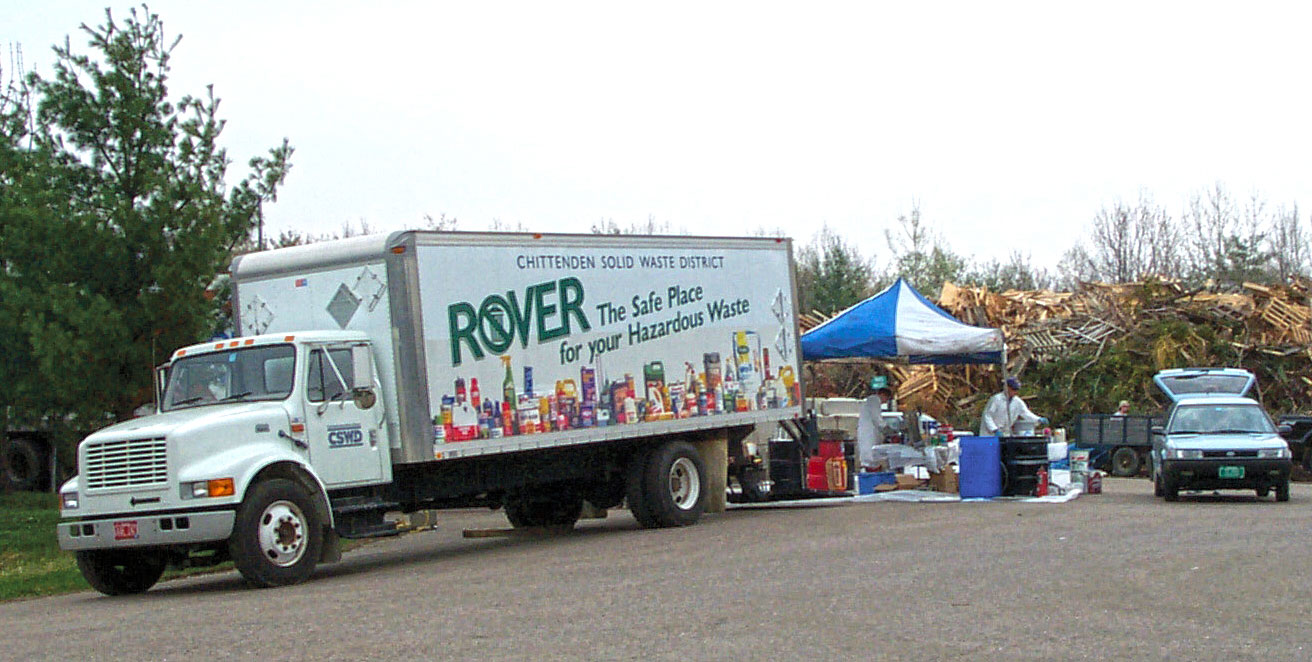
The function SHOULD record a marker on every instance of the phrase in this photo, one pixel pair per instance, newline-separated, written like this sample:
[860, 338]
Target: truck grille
[128, 463]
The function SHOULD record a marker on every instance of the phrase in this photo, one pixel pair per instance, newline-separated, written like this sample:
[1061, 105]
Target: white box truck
[427, 370]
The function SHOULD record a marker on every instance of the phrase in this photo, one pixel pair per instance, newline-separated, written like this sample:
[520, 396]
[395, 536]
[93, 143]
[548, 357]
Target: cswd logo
[345, 436]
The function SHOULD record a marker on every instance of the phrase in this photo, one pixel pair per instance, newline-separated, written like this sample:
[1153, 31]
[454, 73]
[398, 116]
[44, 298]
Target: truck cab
[301, 411]
[1215, 438]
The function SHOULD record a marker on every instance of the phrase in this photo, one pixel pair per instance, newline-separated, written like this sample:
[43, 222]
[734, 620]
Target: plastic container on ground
[866, 481]
[980, 468]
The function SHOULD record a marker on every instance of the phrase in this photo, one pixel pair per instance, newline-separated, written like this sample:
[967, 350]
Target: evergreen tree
[114, 217]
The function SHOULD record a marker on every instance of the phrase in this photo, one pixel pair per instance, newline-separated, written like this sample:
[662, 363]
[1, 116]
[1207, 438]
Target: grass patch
[31, 562]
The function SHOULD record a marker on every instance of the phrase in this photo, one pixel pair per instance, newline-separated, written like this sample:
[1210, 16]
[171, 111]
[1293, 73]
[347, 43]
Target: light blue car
[1215, 438]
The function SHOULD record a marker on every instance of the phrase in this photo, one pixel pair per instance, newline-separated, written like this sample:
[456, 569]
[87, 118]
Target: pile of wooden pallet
[1045, 326]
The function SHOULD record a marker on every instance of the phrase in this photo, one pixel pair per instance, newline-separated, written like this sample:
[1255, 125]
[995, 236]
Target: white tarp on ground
[1060, 486]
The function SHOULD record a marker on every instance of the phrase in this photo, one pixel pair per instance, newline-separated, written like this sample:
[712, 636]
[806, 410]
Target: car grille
[1225, 454]
[127, 463]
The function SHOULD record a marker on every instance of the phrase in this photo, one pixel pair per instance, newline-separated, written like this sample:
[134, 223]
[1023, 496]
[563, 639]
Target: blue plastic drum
[980, 468]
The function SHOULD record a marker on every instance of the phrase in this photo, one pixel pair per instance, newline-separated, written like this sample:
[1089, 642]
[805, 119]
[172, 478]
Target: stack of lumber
[1042, 327]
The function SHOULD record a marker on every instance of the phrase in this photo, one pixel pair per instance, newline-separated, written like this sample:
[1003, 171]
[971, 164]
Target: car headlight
[1273, 453]
[203, 489]
[1182, 454]
[69, 500]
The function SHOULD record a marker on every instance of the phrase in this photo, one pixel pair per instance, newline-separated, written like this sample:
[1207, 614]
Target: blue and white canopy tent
[900, 323]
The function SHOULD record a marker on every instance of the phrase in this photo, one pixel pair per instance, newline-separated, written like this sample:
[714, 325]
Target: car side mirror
[1284, 429]
[1157, 429]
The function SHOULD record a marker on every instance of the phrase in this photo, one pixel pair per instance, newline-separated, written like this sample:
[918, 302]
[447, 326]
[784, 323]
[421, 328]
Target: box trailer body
[422, 370]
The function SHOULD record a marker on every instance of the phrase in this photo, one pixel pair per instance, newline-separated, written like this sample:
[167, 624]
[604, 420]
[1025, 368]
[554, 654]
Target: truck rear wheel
[667, 486]
[557, 509]
[277, 538]
[1125, 462]
[115, 572]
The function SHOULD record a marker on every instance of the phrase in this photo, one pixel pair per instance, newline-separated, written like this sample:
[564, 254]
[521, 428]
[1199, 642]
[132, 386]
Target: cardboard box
[944, 481]
[908, 482]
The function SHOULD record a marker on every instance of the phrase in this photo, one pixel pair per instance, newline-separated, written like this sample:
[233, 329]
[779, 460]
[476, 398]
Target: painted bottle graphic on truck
[605, 340]
[569, 407]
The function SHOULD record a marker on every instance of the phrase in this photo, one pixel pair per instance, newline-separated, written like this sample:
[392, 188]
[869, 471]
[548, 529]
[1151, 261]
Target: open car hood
[1182, 383]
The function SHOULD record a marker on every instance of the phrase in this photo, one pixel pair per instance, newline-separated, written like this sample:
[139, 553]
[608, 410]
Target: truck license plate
[1230, 472]
[126, 530]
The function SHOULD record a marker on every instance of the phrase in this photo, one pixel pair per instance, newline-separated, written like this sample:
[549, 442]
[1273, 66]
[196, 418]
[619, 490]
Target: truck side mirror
[1284, 429]
[362, 358]
[363, 378]
[1157, 429]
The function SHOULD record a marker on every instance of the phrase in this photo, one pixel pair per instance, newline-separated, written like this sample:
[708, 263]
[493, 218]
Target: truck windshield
[238, 375]
[1220, 419]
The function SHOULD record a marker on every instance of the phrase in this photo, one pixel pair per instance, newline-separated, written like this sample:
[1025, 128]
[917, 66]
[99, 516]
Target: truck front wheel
[277, 538]
[669, 486]
[121, 573]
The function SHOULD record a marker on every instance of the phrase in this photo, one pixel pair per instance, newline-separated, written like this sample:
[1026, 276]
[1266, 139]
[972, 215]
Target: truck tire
[635, 495]
[673, 486]
[1282, 490]
[25, 466]
[277, 537]
[115, 572]
[1125, 462]
[556, 510]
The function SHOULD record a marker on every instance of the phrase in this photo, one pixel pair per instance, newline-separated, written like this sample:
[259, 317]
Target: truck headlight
[203, 489]
[1273, 453]
[1182, 454]
[69, 500]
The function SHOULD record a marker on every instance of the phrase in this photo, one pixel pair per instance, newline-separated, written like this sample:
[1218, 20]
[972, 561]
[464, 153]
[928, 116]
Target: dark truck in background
[1118, 445]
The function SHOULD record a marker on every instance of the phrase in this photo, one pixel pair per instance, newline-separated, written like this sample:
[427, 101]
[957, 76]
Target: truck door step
[362, 517]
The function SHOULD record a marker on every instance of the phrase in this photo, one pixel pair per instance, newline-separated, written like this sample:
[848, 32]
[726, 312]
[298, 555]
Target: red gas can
[817, 476]
[1095, 482]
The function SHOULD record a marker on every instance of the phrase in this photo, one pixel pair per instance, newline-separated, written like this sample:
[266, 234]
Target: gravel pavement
[1116, 576]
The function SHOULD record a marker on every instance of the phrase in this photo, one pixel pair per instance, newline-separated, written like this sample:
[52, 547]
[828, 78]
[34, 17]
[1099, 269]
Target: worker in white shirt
[1006, 414]
[870, 425]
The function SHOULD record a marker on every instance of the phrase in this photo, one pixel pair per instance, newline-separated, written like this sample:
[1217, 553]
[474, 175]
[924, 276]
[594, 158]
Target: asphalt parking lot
[1120, 575]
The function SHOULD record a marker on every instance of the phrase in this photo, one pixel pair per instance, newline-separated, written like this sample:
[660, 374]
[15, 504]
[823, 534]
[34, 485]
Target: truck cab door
[344, 424]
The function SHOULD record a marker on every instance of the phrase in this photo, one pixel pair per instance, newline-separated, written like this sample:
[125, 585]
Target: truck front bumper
[146, 530]
[1206, 474]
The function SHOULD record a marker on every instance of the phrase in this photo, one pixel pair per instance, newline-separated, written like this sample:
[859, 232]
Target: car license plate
[126, 530]
[1230, 472]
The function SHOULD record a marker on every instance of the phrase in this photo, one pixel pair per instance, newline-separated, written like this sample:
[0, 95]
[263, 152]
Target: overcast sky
[1009, 124]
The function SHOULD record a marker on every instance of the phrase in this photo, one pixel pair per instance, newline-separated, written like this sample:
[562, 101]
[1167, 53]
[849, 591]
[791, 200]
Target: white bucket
[1079, 460]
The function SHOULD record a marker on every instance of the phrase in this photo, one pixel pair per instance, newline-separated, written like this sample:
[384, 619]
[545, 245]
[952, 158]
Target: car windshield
[238, 375]
[1219, 419]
